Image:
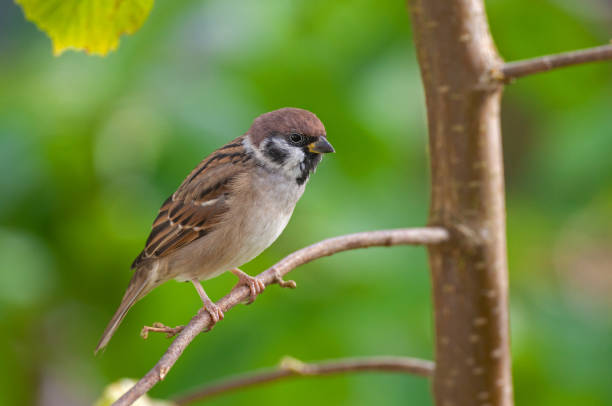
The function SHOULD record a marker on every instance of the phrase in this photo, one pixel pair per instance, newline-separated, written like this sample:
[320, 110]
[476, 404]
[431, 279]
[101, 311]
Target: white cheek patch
[250, 148]
[292, 157]
[296, 155]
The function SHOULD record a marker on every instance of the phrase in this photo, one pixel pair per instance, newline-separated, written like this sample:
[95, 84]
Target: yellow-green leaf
[114, 391]
[93, 26]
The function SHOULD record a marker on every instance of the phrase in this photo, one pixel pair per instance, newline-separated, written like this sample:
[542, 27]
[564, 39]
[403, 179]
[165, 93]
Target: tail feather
[139, 286]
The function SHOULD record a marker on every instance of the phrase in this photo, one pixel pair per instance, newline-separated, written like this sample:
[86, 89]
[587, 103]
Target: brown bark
[469, 273]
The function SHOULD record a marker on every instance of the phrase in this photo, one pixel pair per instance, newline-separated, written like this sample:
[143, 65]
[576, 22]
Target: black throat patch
[307, 166]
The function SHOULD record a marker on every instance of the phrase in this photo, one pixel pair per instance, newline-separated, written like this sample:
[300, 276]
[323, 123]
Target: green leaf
[93, 26]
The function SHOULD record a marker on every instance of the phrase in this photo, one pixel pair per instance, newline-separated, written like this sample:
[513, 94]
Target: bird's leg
[215, 311]
[255, 285]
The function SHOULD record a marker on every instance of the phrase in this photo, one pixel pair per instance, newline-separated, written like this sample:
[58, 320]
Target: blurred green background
[90, 148]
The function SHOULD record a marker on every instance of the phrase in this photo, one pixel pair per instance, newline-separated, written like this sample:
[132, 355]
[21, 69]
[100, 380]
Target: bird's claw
[255, 285]
[215, 312]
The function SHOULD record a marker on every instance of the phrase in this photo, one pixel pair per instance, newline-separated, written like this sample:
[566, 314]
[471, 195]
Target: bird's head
[290, 140]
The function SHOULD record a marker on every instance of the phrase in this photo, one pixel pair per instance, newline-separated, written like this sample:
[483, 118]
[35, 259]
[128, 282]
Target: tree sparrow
[229, 209]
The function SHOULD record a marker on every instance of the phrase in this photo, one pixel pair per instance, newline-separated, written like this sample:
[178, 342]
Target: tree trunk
[458, 61]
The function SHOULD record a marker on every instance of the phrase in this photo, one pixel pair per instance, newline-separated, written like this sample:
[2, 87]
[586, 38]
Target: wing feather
[198, 205]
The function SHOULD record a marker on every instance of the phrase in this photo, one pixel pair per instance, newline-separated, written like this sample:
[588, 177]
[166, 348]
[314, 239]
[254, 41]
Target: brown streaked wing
[197, 206]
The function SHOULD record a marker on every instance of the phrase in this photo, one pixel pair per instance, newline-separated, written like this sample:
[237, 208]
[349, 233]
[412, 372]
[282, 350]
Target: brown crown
[285, 121]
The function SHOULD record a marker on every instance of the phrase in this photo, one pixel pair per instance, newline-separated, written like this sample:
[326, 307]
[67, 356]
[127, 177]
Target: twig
[406, 236]
[513, 70]
[160, 328]
[291, 367]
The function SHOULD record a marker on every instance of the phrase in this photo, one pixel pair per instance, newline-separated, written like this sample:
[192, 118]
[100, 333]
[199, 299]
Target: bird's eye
[296, 138]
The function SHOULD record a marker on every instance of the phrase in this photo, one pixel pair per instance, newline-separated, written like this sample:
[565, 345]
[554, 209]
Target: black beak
[322, 146]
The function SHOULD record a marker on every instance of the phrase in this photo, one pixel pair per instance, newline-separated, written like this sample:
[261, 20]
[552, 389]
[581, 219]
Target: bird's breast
[263, 213]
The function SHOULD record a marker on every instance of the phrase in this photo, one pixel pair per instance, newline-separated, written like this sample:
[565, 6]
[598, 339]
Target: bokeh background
[90, 148]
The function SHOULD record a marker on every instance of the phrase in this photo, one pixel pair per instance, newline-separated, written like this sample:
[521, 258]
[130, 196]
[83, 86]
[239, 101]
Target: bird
[232, 206]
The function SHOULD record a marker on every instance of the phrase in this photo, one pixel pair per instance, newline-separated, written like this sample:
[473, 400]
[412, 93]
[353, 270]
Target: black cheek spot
[276, 154]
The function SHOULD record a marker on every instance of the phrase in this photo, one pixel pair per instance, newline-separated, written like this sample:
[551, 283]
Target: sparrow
[229, 209]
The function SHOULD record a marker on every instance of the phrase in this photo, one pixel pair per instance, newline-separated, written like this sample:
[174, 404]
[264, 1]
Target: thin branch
[291, 367]
[513, 70]
[241, 293]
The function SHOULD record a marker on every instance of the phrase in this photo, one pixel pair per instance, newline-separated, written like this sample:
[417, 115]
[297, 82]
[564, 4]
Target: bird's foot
[216, 314]
[255, 285]
[160, 328]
